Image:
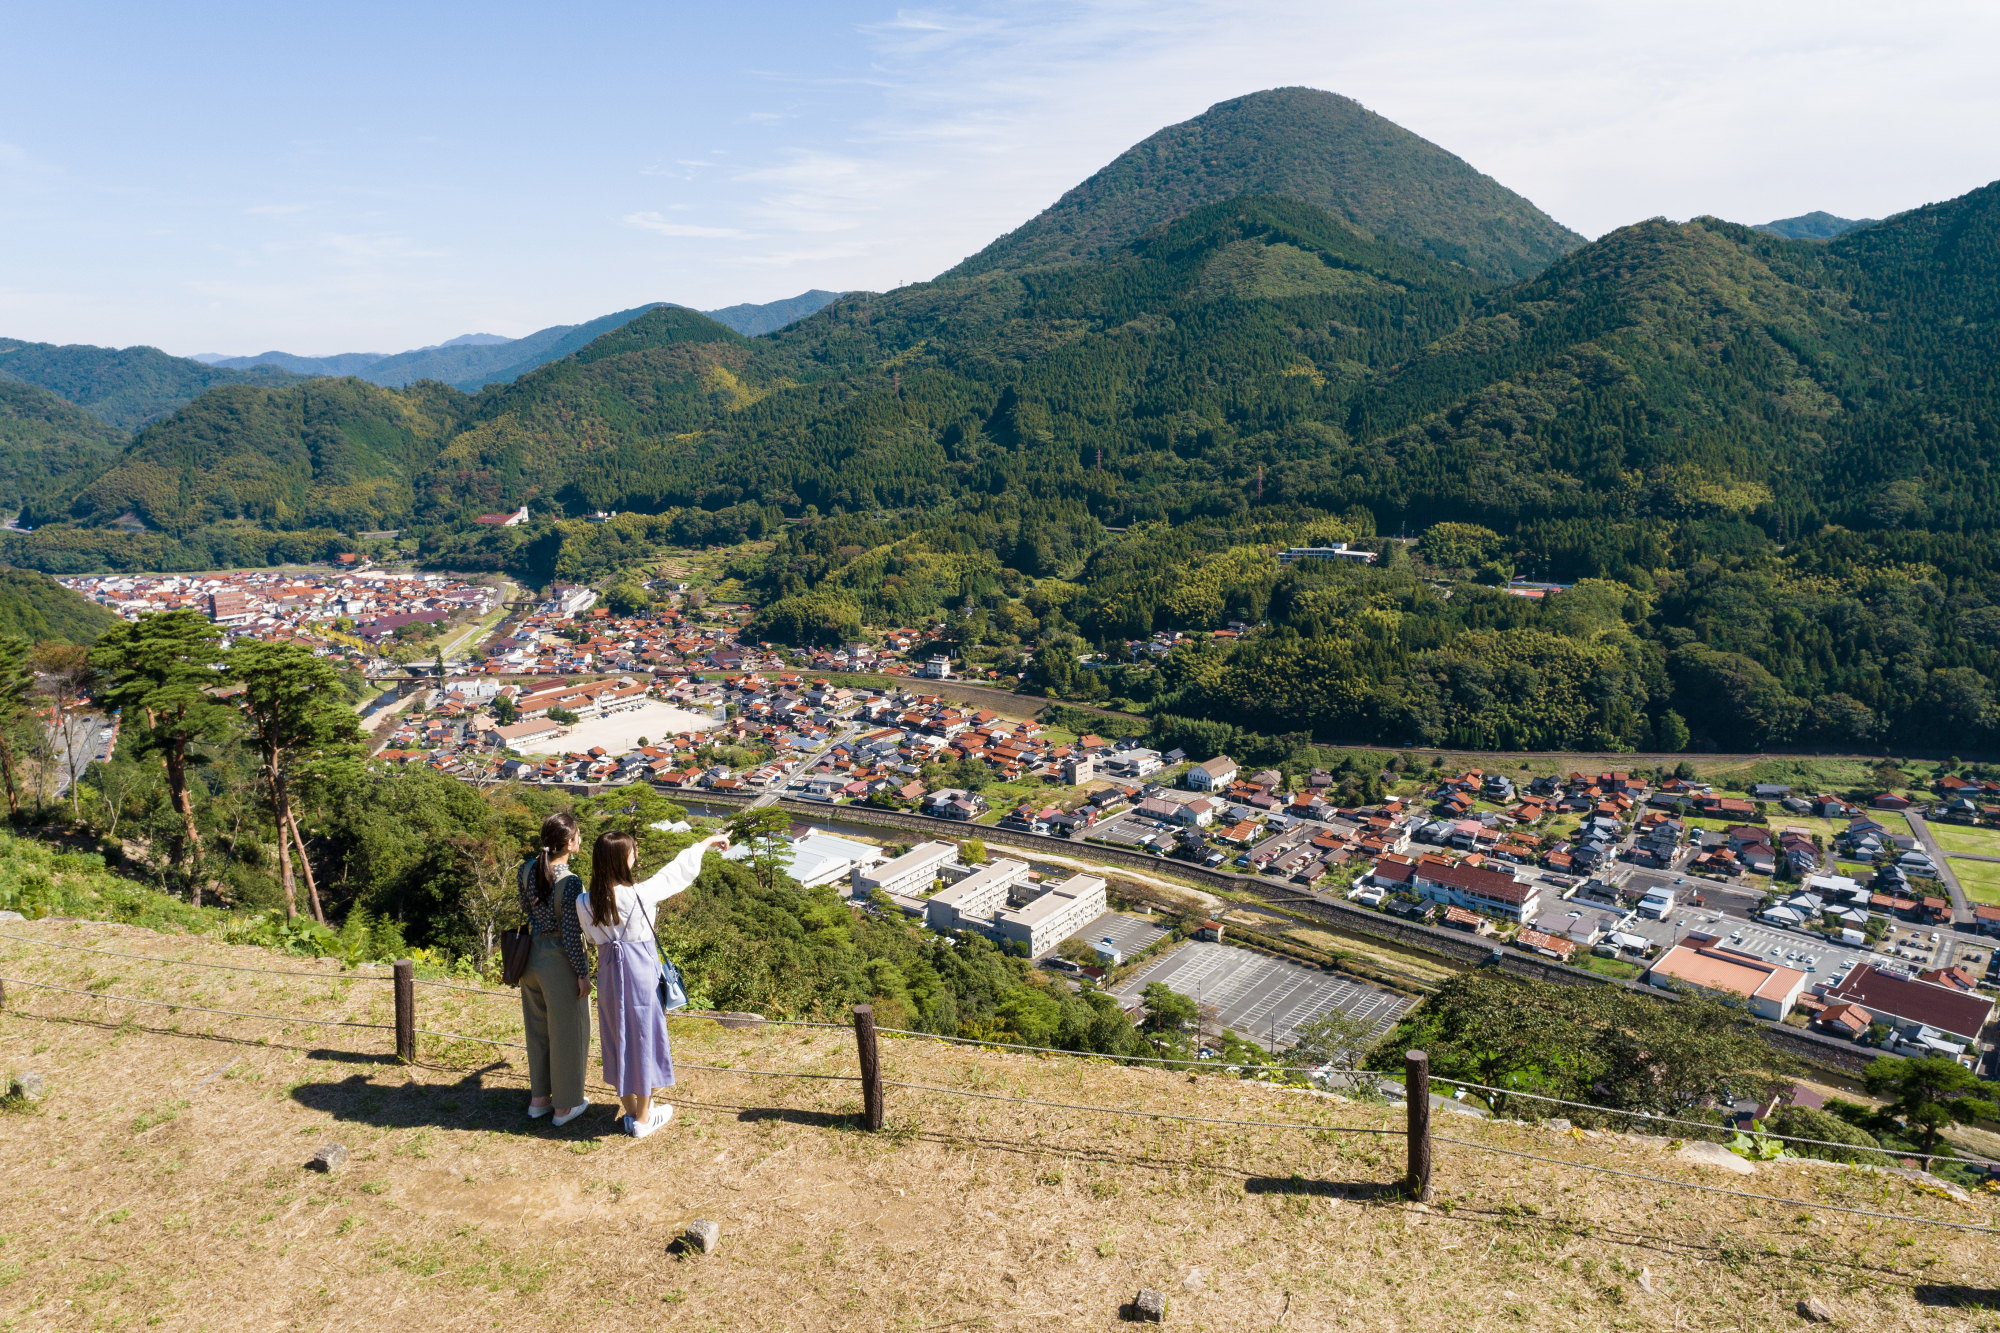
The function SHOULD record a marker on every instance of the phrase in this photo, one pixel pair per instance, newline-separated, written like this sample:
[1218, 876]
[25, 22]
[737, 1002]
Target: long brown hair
[557, 831]
[611, 864]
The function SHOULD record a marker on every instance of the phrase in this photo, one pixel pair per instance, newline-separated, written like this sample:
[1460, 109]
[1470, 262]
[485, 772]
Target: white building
[821, 857]
[1054, 916]
[570, 599]
[1337, 551]
[1212, 774]
[910, 873]
[1138, 762]
[974, 902]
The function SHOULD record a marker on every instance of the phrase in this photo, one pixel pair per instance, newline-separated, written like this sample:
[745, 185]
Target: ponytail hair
[612, 862]
[558, 831]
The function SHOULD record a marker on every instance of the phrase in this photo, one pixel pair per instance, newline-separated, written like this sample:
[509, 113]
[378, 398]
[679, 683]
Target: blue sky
[366, 176]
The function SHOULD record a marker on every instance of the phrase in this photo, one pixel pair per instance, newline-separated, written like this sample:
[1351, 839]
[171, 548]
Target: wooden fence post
[1417, 1106]
[406, 1010]
[871, 1066]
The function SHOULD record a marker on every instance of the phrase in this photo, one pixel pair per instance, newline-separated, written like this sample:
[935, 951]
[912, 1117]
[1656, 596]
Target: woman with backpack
[555, 988]
[619, 916]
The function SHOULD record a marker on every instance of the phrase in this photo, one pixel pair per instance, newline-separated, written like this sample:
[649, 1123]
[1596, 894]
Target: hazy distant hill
[1294, 143]
[752, 320]
[474, 360]
[1814, 226]
[126, 386]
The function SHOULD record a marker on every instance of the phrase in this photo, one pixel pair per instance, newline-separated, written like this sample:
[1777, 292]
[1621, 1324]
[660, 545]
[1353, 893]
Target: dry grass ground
[161, 1185]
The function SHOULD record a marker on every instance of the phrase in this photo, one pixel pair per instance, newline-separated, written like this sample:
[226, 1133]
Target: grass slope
[172, 1134]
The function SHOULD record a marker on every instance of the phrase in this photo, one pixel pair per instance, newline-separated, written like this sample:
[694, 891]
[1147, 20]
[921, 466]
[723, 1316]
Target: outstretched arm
[675, 876]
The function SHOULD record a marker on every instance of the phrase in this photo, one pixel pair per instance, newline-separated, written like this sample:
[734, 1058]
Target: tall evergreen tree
[303, 731]
[17, 690]
[160, 672]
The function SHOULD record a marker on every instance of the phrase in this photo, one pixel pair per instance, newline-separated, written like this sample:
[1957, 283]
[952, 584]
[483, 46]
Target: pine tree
[160, 672]
[303, 730]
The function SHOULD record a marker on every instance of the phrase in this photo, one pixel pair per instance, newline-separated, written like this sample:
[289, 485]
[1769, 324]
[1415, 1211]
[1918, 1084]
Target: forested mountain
[48, 445]
[750, 319]
[1814, 226]
[1767, 463]
[1294, 143]
[37, 608]
[472, 362]
[323, 453]
[126, 386]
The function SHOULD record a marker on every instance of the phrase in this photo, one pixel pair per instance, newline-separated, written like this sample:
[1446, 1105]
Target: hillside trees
[162, 672]
[17, 711]
[1928, 1095]
[1595, 1044]
[303, 732]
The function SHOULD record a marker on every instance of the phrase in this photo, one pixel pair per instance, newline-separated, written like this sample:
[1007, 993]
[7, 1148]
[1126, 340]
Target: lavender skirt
[631, 1030]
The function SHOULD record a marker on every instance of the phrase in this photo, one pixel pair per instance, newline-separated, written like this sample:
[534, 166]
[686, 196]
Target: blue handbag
[673, 994]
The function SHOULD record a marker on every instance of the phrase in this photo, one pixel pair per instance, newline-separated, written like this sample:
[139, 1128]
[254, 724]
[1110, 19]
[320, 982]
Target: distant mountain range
[1768, 458]
[473, 360]
[1814, 226]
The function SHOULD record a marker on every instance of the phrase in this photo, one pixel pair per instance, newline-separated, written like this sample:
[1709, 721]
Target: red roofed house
[1901, 999]
[1495, 892]
[1845, 1020]
[1457, 918]
[1769, 989]
[1551, 946]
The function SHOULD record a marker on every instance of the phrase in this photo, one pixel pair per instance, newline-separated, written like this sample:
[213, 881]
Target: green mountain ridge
[36, 608]
[125, 386]
[1767, 462]
[1814, 226]
[49, 445]
[1296, 143]
[470, 363]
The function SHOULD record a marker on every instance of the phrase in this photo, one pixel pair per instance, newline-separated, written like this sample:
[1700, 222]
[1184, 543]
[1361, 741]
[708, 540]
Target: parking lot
[1128, 830]
[1906, 946]
[1263, 999]
[1131, 934]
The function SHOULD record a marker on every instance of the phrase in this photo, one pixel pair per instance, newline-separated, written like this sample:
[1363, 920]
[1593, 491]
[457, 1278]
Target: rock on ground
[1715, 1155]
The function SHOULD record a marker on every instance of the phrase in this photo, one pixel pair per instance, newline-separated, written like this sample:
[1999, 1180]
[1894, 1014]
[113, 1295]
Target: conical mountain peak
[1296, 143]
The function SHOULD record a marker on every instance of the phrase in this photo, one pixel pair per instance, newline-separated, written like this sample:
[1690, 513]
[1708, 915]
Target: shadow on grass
[814, 1119]
[467, 1104]
[334, 1057]
[1361, 1191]
[1959, 1298]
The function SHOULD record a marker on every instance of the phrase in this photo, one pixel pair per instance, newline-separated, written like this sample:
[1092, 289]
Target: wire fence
[1714, 1128]
[1417, 1100]
[298, 973]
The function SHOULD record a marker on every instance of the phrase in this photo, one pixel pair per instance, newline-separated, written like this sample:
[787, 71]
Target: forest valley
[1766, 464]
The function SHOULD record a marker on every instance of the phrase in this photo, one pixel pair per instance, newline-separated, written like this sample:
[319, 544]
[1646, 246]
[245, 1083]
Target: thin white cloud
[655, 223]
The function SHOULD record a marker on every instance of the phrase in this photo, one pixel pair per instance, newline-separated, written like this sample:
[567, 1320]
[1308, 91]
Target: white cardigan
[639, 902]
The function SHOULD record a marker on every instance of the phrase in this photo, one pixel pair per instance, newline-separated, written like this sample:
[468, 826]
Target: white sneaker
[565, 1117]
[660, 1116]
[537, 1112]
